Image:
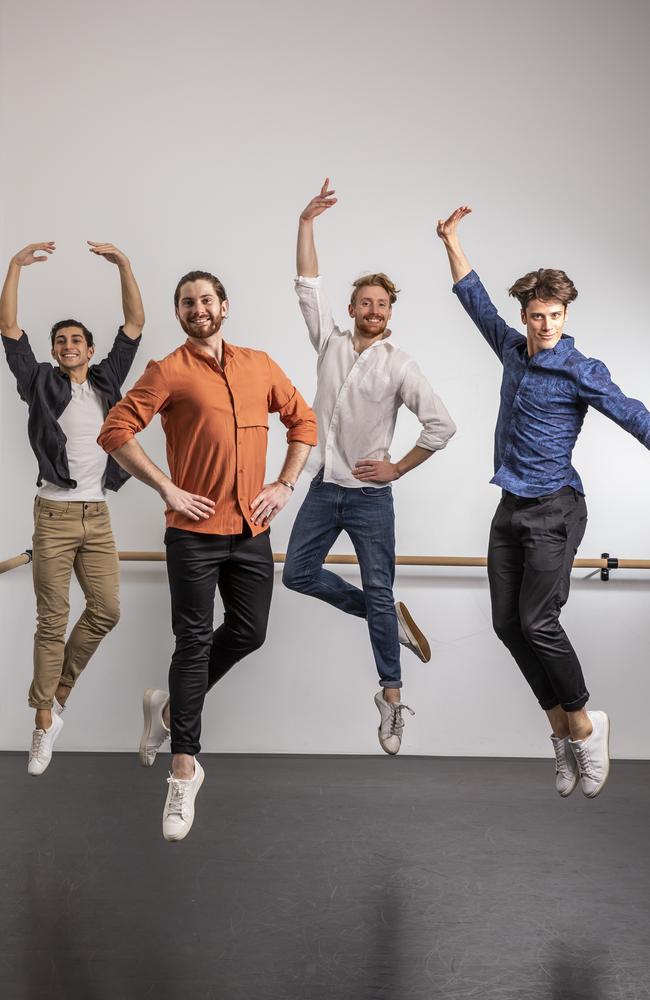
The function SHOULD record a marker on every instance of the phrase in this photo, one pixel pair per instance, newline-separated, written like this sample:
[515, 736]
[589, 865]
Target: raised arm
[447, 230]
[131, 298]
[306, 259]
[9, 299]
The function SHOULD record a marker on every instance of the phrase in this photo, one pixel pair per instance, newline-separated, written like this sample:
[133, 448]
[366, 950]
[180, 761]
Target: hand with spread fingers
[191, 504]
[324, 200]
[269, 502]
[28, 255]
[369, 471]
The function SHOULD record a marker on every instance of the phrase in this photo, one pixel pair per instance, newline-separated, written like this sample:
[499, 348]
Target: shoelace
[396, 720]
[37, 739]
[561, 762]
[175, 807]
[584, 762]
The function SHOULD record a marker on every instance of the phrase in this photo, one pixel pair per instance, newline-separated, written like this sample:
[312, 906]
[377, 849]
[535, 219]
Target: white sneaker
[40, 753]
[154, 732]
[178, 814]
[410, 635]
[392, 724]
[57, 708]
[592, 755]
[566, 768]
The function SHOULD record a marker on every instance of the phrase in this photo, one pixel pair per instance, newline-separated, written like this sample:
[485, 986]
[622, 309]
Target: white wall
[192, 137]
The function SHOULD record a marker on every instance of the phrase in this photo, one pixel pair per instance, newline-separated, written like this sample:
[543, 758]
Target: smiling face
[71, 352]
[370, 311]
[200, 311]
[544, 321]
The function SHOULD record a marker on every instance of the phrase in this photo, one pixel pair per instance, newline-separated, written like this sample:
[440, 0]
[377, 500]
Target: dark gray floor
[312, 878]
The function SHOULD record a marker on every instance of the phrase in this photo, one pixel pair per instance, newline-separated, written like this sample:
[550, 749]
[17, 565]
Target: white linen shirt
[358, 395]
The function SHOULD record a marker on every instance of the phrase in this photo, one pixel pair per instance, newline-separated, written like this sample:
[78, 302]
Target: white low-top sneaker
[566, 768]
[391, 726]
[178, 814]
[40, 752]
[410, 635]
[592, 755]
[57, 707]
[154, 732]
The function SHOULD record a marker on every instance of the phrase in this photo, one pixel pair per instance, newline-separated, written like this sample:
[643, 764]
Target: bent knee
[293, 579]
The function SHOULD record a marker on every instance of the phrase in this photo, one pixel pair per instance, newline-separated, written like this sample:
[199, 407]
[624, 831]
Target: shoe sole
[146, 732]
[604, 781]
[176, 840]
[417, 637]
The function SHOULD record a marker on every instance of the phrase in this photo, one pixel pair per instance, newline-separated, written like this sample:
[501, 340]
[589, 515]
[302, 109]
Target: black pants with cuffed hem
[531, 550]
[242, 568]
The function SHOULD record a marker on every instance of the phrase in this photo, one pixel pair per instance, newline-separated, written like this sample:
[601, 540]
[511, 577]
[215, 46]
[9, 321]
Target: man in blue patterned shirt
[546, 388]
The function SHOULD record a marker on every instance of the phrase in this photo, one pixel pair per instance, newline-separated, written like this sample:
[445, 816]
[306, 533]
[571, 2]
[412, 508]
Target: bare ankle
[43, 718]
[392, 695]
[62, 693]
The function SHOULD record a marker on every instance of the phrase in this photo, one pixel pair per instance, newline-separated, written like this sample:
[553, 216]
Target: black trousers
[242, 568]
[531, 549]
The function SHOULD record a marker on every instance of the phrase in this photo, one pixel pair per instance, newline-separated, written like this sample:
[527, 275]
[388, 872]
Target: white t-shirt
[81, 422]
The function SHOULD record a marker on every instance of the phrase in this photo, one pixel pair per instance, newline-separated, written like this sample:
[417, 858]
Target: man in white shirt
[363, 379]
[72, 529]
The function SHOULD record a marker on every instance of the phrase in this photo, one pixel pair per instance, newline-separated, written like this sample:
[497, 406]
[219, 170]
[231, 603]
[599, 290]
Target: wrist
[285, 482]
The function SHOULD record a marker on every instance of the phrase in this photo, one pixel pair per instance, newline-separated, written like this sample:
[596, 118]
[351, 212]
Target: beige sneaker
[391, 726]
[410, 635]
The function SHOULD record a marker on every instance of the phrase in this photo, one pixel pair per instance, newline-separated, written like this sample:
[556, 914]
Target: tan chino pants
[70, 536]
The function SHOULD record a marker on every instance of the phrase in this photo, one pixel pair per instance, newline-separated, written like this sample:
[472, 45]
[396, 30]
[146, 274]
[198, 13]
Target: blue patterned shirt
[544, 400]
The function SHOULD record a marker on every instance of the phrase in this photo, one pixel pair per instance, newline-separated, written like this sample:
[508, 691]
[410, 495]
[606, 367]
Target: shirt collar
[228, 352]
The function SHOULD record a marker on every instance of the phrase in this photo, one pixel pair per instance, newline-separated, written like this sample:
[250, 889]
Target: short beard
[204, 332]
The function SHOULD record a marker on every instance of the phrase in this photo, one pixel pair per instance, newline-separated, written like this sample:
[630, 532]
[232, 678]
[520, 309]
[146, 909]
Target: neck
[77, 375]
[211, 345]
[362, 343]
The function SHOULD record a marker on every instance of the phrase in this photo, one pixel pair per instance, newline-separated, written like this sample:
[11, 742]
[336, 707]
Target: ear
[523, 317]
[91, 351]
[351, 310]
[225, 306]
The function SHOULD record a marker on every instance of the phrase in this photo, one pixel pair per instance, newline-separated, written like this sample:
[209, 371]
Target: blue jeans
[366, 514]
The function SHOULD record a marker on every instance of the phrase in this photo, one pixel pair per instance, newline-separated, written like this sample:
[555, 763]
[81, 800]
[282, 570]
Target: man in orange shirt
[214, 400]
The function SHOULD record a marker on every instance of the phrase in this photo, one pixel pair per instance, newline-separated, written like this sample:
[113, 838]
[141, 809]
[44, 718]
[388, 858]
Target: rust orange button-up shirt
[215, 421]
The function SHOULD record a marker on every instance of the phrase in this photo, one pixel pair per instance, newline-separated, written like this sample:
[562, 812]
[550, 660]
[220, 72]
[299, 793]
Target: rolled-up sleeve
[316, 311]
[138, 408]
[285, 400]
[418, 396]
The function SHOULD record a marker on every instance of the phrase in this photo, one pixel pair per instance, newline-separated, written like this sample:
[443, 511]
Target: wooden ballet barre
[604, 564]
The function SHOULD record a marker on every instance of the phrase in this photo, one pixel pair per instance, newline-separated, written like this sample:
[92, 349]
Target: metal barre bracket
[612, 563]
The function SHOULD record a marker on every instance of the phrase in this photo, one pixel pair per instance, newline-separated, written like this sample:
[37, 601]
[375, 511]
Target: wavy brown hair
[546, 284]
[200, 276]
[378, 278]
